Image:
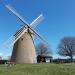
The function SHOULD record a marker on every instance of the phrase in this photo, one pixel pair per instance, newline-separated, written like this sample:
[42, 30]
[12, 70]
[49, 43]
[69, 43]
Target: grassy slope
[38, 69]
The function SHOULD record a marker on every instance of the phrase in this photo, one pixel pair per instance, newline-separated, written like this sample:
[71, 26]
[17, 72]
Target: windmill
[22, 41]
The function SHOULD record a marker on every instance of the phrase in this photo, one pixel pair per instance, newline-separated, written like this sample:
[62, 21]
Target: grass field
[38, 69]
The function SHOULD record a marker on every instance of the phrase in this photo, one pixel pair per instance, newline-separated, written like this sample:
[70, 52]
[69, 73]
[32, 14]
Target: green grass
[38, 69]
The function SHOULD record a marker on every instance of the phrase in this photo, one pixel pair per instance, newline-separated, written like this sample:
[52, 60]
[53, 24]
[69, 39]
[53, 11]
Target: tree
[67, 47]
[42, 49]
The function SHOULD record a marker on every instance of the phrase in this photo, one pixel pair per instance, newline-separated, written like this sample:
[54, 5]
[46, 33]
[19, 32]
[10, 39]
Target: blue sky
[59, 20]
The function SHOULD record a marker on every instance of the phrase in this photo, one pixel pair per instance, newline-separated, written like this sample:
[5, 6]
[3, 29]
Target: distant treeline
[3, 61]
[63, 61]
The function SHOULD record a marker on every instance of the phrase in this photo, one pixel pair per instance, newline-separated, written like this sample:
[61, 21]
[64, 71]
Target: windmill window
[21, 39]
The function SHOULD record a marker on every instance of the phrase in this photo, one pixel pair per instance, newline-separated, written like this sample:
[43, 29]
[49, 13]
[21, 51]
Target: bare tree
[67, 47]
[42, 49]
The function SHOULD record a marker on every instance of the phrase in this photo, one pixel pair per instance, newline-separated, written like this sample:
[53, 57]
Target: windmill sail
[37, 21]
[13, 39]
[9, 42]
[16, 13]
[19, 36]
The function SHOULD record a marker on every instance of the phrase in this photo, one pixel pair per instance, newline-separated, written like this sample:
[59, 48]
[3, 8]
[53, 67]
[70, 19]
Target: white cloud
[1, 54]
[4, 56]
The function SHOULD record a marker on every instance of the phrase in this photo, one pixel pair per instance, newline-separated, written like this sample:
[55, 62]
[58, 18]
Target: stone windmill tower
[23, 43]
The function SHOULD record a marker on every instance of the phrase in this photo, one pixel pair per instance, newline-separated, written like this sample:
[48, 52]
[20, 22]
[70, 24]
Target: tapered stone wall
[24, 50]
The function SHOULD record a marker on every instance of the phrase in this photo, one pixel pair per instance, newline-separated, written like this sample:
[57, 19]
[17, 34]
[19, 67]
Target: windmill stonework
[24, 50]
